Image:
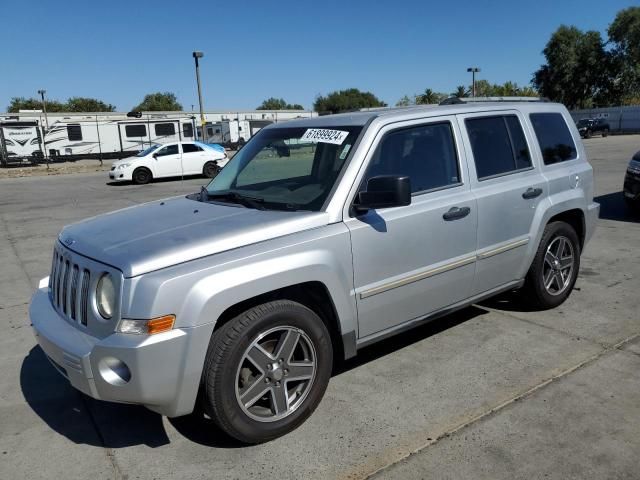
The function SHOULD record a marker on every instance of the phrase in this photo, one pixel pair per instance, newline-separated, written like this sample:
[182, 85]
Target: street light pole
[196, 56]
[473, 71]
[44, 107]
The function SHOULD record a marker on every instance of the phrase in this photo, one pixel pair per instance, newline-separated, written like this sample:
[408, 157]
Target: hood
[159, 234]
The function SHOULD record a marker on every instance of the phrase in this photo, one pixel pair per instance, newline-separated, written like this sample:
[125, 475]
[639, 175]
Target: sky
[118, 51]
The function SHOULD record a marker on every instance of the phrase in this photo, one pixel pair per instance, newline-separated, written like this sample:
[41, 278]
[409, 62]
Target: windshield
[584, 122]
[146, 152]
[286, 168]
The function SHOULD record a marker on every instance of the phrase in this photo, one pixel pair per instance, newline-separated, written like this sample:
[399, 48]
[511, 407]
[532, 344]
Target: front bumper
[163, 370]
[120, 175]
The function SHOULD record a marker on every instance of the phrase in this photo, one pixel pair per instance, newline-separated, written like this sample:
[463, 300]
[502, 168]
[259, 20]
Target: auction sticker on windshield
[325, 136]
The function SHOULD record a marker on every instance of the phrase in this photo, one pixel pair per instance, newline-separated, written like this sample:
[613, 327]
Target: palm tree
[461, 91]
[428, 97]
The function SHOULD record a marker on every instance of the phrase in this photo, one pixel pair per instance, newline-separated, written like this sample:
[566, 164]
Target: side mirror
[385, 191]
[155, 155]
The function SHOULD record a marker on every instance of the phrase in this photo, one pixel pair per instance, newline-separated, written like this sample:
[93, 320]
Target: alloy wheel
[559, 261]
[275, 374]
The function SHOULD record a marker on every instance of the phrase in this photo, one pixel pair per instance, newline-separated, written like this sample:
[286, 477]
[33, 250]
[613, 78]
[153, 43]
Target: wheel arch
[313, 295]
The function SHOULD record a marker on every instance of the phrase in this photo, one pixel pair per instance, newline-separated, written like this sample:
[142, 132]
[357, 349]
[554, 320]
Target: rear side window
[426, 154]
[190, 148]
[499, 145]
[74, 133]
[164, 129]
[554, 137]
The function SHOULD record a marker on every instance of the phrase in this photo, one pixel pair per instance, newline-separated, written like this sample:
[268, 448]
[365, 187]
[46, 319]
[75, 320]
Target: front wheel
[267, 370]
[141, 176]
[605, 132]
[554, 269]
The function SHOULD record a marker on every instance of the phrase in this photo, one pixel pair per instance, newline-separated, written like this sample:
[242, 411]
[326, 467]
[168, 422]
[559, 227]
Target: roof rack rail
[459, 101]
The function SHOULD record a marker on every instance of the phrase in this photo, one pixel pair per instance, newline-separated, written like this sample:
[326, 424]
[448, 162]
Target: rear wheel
[210, 169]
[142, 175]
[267, 370]
[605, 132]
[554, 269]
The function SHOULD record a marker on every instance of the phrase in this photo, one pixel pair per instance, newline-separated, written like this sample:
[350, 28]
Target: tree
[21, 103]
[576, 69]
[461, 91]
[345, 101]
[624, 35]
[83, 104]
[405, 101]
[429, 97]
[158, 102]
[273, 103]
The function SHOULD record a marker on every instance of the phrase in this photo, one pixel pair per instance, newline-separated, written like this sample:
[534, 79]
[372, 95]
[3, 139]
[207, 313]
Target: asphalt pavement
[494, 391]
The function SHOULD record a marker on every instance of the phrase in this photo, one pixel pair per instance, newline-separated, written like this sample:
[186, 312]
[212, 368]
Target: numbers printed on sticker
[324, 135]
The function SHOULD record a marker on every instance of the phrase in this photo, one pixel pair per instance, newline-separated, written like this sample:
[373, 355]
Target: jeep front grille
[69, 284]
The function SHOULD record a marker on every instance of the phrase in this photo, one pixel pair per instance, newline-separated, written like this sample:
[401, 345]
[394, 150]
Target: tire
[227, 369]
[633, 205]
[210, 169]
[605, 132]
[544, 268]
[141, 176]
[587, 134]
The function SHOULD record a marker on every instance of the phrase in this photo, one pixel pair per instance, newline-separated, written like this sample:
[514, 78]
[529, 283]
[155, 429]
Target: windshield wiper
[244, 200]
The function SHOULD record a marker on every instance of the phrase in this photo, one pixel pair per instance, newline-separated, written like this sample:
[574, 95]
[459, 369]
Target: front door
[414, 260]
[167, 161]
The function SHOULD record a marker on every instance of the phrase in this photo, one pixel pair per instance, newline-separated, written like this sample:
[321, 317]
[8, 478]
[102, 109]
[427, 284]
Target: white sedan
[170, 160]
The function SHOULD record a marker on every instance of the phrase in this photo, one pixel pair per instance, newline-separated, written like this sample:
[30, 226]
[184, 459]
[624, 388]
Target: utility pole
[473, 71]
[196, 56]
[44, 107]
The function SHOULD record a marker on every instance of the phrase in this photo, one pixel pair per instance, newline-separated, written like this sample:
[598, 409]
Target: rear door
[414, 260]
[193, 158]
[167, 161]
[508, 186]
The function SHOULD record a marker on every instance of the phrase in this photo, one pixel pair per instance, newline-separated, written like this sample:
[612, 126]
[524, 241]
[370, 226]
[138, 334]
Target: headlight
[123, 165]
[106, 296]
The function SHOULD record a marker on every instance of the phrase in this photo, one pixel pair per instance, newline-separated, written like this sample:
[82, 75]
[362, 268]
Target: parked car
[170, 160]
[592, 126]
[631, 189]
[320, 237]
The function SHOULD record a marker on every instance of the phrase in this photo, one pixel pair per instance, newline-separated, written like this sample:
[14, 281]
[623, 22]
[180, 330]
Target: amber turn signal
[160, 324]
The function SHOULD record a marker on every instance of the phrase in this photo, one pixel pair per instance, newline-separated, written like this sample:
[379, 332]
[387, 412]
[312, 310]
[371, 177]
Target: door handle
[456, 213]
[532, 193]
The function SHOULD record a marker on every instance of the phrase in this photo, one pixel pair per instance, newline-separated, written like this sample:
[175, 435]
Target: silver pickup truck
[321, 236]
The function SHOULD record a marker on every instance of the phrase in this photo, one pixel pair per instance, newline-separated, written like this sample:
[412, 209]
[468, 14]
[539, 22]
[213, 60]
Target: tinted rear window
[498, 144]
[554, 137]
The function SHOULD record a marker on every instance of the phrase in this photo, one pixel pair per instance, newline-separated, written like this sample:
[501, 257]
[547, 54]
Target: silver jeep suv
[321, 236]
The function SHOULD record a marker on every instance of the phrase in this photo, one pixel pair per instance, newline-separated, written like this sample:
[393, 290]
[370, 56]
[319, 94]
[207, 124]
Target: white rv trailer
[231, 133]
[20, 142]
[113, 138]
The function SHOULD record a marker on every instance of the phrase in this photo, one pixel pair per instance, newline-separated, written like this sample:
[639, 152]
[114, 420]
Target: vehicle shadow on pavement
[84, 420]
[613, 207]
[405, 339]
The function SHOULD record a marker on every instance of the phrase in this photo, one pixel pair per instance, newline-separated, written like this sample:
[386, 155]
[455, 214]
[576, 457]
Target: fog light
[114, 371]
